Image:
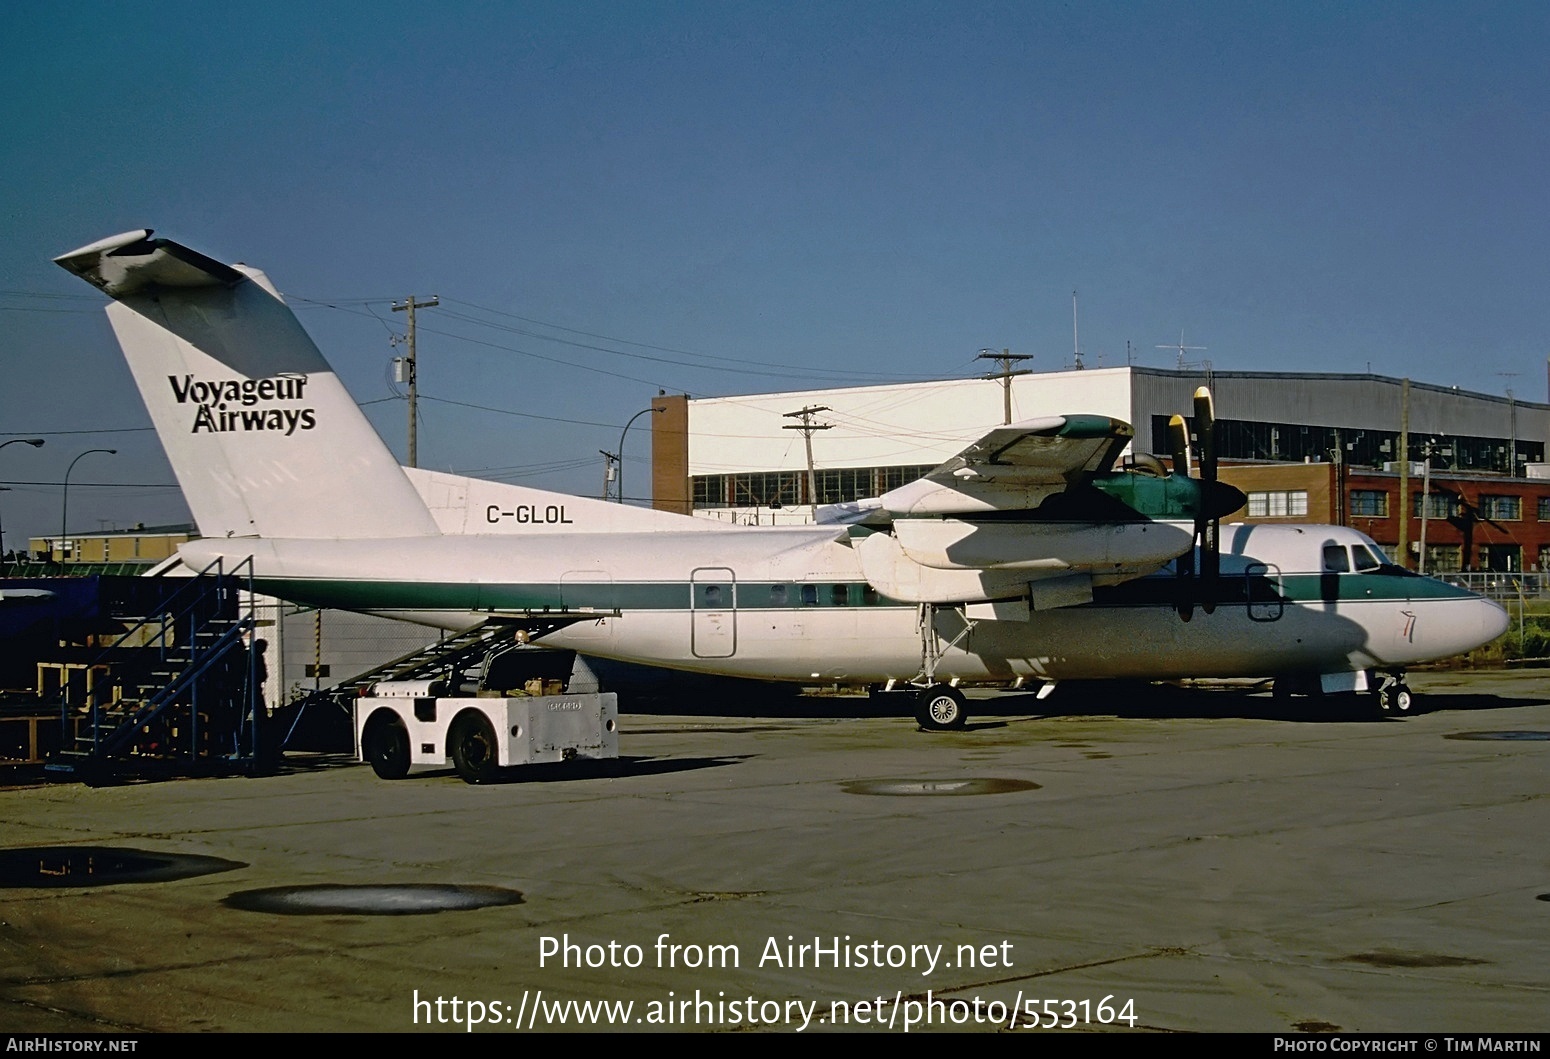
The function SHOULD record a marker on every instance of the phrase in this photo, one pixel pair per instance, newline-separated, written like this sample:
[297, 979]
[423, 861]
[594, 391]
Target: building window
[1370, 502]
[710, 490]
[1544, 509]
[1501, 508]
[839, 485]
[1444, 558]
[1438, 505]
[893, 477]
[1278, 505]
[1501, 558]
[767, 489]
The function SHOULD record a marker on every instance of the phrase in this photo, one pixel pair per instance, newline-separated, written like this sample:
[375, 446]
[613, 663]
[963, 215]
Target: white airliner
[1027, 557]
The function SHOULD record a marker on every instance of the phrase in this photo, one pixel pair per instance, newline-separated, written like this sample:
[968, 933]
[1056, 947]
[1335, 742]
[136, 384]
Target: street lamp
[622, 433]
[64, 507]
[35, 443]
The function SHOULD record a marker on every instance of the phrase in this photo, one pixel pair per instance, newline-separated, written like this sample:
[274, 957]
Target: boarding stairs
[176, 694]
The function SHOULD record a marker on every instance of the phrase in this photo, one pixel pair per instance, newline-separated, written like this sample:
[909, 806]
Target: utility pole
[1403, 557]
[609, 459]
[1006, 358]
[410, 375]
[807, 426]
[1338, 453]
[1429, 447]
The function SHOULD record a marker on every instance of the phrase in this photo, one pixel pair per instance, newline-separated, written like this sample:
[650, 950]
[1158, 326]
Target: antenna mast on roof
[1181, 347]
[1076, 347]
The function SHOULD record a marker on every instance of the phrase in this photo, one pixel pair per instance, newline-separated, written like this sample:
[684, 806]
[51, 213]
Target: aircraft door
[588, 591]
[1262, 592]
[713, 612]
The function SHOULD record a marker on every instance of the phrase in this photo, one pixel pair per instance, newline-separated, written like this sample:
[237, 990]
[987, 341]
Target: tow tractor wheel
[385, 746]
[472, 743]
[941, 707]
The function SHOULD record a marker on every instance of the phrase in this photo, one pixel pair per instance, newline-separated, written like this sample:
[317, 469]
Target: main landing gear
[941, 707]
[938, 707]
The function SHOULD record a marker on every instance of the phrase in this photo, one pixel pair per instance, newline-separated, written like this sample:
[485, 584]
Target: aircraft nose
[1493, 620]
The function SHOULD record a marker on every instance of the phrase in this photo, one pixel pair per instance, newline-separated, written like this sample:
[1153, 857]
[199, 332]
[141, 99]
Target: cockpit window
[1366, 557]
[1336, 561]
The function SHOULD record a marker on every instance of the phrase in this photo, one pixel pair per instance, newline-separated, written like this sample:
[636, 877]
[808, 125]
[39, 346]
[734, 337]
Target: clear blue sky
[847, 191]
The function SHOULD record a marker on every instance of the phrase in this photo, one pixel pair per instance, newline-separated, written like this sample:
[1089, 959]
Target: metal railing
[1503, 584]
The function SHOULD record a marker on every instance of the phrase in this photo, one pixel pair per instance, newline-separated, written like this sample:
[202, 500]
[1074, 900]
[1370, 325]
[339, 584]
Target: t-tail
[263, 437]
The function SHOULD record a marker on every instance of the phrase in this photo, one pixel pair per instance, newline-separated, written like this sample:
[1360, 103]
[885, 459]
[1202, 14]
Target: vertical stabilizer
[262, 435]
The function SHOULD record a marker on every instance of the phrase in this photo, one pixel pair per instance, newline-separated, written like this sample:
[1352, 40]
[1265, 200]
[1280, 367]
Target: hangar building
[1309, 447]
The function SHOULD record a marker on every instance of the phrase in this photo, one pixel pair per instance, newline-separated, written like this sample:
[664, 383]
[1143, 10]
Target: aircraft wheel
[1401, 700]
[472, 743]
[385, 746]
[941, 707]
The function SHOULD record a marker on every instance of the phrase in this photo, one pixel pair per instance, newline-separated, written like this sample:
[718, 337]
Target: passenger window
[1335, 559]
[713, 595]
[839, 595]
[778, 595]
[809, 595]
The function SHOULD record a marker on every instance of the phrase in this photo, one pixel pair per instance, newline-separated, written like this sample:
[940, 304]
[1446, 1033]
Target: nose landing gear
[1394, 695]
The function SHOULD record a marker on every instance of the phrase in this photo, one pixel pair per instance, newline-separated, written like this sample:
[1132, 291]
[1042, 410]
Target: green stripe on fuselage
[1155, 590]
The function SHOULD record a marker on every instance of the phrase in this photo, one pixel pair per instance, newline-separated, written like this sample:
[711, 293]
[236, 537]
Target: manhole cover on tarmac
[45, 867]
[938, 787]
[407, 899]
[1513, 737]
[1412, 959]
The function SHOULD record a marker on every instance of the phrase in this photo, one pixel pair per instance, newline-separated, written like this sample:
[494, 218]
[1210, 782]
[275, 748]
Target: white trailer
[408, 727]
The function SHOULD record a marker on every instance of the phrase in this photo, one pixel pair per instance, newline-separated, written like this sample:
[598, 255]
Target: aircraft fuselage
[792, 604]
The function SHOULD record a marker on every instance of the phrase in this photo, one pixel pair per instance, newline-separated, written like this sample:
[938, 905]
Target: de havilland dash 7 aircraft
[1033, 555]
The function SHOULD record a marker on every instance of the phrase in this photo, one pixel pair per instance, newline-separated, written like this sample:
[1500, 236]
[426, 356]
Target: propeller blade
[1205, 433]
[1207, 526]
[1178, 440]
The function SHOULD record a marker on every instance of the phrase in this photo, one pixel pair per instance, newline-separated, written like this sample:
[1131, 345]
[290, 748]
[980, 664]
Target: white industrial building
[744, 458]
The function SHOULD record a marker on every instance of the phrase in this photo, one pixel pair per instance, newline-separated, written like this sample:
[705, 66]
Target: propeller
[1215, 499]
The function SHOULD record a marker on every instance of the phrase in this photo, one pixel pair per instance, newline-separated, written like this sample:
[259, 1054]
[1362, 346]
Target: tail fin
[262, 435]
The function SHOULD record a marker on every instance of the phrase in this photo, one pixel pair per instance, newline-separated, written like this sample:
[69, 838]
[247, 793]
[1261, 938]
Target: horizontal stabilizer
[133, 261]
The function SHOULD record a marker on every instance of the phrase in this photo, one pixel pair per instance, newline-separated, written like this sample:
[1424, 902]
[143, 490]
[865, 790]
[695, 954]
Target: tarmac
[1111, 859]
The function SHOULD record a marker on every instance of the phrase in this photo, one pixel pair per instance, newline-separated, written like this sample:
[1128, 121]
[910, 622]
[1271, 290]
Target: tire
[941, 708]
[1401, 700]
[385, 746]
[475, 753]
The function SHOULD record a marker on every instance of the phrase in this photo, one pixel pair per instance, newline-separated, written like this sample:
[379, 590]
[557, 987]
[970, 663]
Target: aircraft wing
[1015, 467]
[1028, 512]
